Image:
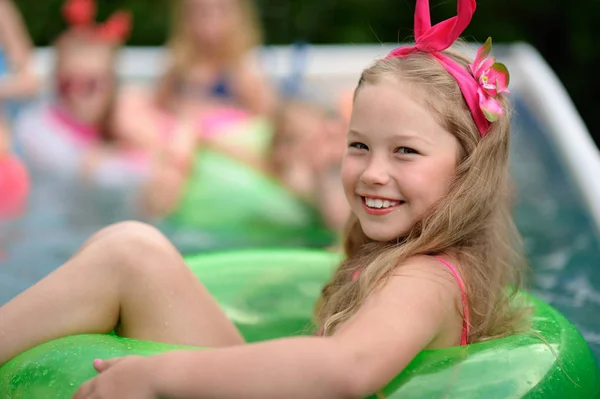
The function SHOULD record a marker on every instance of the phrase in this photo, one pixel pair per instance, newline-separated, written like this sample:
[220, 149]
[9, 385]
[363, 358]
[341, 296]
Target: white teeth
[377, 203]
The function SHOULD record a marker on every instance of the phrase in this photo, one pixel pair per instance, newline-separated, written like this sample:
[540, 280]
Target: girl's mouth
[379, 206]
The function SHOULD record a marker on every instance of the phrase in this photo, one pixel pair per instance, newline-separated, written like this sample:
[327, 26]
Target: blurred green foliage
[560, 31]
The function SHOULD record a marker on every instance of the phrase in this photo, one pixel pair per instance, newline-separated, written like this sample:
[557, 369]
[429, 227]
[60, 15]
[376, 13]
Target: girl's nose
[376, 172]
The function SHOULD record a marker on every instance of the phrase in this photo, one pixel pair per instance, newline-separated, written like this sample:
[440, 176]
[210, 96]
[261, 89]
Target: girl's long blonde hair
[472, 223]
[185, 52]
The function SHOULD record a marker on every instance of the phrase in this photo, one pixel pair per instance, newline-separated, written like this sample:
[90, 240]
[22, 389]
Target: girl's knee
[135, 245]
[133, 228]
[140, 238]
[126, 229]
[108, 231]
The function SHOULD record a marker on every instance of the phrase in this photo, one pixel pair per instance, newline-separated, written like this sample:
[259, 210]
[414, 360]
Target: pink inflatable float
[14, 186]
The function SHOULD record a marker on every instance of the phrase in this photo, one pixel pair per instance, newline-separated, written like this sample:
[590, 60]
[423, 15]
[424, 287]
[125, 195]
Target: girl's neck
[83, 131]
[214, 57]
[209, 62]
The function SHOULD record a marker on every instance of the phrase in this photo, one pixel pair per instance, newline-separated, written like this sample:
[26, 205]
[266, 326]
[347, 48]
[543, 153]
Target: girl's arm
[410, 312]
[136, 120]
[15, 39]
[4, 138]
[256, 94]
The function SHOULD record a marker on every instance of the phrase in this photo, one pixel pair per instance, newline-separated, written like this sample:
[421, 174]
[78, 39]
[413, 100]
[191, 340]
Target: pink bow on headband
[81, 14]
[485, 79]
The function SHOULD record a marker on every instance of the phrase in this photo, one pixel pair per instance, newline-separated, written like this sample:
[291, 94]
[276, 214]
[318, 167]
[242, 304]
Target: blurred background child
[212, 77]
[306, 153]
[72, 138]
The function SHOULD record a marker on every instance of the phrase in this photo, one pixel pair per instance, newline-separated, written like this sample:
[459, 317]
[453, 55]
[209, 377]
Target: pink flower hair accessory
[485, 79]
[493, 79]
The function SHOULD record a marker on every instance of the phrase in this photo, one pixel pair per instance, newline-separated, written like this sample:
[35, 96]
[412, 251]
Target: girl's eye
[358, 146]
[405, 150]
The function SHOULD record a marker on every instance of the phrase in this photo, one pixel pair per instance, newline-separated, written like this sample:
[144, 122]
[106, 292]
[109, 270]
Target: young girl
[211, 74]
[430, 252]
[73, 138]
[210, 48]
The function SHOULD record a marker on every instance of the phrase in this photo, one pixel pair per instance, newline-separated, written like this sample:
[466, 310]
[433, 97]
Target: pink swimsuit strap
[77, 130]
[465, 333]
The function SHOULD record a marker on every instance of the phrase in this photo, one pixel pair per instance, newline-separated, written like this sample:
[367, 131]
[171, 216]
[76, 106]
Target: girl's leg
[128, 276]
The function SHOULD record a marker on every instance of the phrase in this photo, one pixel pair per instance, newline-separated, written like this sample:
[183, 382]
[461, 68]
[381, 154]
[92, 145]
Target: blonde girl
[430, 251]
[210, 61]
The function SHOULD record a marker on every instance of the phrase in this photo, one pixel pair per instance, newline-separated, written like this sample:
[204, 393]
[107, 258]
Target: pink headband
[485, 79]
[80, 14]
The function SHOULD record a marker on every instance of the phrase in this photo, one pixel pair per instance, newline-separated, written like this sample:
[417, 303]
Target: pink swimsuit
[464, 339]
[463, 293]
[54, 143]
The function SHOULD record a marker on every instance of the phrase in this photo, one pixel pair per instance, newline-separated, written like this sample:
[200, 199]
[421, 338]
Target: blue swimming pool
[561, 240]
[562, 244]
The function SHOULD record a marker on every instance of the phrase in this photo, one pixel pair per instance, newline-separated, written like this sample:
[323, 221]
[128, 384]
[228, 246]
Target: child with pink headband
[430, 251]
[73, 137]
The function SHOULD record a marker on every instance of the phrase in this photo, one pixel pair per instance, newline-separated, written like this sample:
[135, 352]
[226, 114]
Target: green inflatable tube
[234, 205]
[270, 293]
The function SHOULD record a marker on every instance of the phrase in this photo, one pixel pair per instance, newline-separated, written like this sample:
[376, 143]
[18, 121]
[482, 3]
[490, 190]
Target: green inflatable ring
[234, 205]
[270, 294]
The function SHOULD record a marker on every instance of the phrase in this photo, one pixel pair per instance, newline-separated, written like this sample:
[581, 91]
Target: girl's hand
[182, 147]
[127, 377]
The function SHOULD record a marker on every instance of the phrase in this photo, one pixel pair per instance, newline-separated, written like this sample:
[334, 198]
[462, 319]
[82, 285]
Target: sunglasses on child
[86, 85]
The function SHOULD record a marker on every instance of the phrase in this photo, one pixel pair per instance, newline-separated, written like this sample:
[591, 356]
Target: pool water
[559, 233]
[561, 240]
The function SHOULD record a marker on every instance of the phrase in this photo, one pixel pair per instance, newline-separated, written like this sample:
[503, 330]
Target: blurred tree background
[561, 31]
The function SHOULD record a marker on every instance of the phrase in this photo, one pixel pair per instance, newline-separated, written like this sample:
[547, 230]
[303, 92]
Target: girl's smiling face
[399, 160]
[85, 81]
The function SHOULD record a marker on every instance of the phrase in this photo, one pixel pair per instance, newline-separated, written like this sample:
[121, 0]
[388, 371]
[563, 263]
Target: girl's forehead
[86, 50]
[86, 59]
[392, 105]
[209, 3]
